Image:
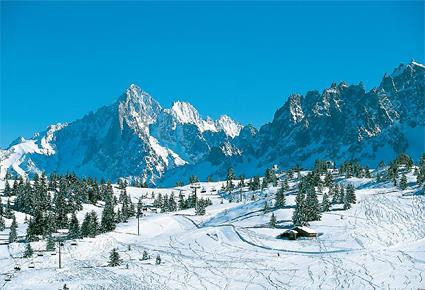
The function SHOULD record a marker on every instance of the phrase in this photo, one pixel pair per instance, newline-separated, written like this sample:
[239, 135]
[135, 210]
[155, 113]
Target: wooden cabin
[296, 232]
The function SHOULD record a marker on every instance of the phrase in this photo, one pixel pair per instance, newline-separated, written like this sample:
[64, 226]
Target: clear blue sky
[59, 60]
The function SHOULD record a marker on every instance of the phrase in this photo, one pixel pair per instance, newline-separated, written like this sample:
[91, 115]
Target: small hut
[296, 232]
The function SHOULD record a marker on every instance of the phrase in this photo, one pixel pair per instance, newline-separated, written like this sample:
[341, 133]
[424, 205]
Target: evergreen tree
[8, 210]
[350, 194]
[298, 217]
[280, 198]
[347, 204]
[7, 190]
[181, 202]
[28, 251]
[172, 203]
[50, 245]
[2, 224]
[272, 221]
[285, 185]
[158, 260]
[200, 207]
[108, 216]
[85, 226]
[94, 224]
[145, 255]
[12, 234]
[114, 258]
[325, 203]
[328, 179]
[403, 182]
[266, 206]
[312, 208]
[74, 228]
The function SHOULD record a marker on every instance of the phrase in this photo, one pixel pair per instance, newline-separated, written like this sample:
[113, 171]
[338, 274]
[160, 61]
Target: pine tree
[145, 255]
[158, 260]
[266, 206]
[285, 185]
[8, 210]
[2, 224]
[12, 234]
[325, 203]
[94, 224]
[108, 216]
[280, 198]
[7, 189]
[114, 258]
[347, 204]
[28, 251]
[74, 228]
[85, 226]
[200, 207]
[350, 194]
[181, 202]
[312, 208]
[50, 245]
[272, 221]
[298, 217]
[328, 179]
[403, 182]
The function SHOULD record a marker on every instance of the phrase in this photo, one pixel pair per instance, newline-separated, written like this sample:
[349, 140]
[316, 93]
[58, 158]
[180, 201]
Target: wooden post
[60, 258]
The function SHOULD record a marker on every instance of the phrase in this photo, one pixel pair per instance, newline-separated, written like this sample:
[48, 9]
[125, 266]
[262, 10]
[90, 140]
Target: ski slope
[377, 244]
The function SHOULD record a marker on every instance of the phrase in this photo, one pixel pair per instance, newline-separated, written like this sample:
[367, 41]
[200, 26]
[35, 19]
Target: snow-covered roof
[306, 229]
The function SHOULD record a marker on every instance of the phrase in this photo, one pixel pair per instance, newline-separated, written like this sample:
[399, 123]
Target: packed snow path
[378, 244]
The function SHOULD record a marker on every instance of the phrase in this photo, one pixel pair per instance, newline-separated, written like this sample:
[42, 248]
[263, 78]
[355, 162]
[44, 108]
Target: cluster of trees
[353, 168]
[168, 203]
[307, 206]
[399, 167]
[53, 202]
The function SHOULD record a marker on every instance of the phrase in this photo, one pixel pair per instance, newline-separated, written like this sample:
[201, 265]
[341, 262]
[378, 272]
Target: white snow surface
[377, 244]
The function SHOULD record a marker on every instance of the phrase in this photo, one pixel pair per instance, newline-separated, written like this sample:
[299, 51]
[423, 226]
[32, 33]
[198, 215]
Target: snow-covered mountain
[346, 122]
[136, 137]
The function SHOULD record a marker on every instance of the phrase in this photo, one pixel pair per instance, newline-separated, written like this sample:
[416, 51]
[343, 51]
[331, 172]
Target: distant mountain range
[137, 138]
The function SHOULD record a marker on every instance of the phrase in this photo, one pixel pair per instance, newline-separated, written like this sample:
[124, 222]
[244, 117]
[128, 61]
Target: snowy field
[377, 244]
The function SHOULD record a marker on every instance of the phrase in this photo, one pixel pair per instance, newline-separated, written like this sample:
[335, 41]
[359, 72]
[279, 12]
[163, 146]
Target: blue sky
[59, 60]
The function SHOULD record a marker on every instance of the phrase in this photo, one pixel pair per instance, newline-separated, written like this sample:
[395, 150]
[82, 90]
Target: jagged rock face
[134, 137]
[345, 122]
[137, 138]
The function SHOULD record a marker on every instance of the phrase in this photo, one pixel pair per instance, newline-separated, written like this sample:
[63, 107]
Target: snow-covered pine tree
[403, 182]
[298, 217]
[28, 251]
[325, 203]
[346, 202]
[272, 222]
[107, 222]
[7, 190]
[2, 224]
[94, 224]
[145, 255]
[328, 179]
[114, 258]
[12, 234]
[85, 226]
[280, 198]
[285, 184]
[350, 193]
[312, 208]
[172, 203]
[74, 227]
[50, 244]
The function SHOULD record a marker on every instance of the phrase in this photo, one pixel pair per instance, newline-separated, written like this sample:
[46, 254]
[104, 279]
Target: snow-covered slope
[377, 244]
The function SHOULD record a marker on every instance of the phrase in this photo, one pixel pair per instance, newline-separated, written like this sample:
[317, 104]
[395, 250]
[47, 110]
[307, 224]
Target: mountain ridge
[136, 138]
